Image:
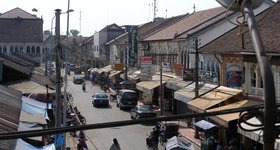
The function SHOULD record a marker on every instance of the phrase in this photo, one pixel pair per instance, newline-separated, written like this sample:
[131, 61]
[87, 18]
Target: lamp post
[66, 69]
[247, 7]
[58, 78]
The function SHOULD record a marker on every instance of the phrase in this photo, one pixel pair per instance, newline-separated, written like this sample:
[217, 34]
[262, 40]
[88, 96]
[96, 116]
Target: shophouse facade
[21, 32]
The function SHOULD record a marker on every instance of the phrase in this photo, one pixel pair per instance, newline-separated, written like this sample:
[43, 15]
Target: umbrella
[176, 143]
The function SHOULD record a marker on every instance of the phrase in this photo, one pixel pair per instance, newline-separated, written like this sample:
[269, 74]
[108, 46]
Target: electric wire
[50, 131]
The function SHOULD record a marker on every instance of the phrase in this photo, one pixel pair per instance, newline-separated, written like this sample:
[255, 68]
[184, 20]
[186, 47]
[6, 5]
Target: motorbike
[152, 139]
[82, 141]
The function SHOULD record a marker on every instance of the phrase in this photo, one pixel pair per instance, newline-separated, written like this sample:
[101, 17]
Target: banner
[133, 46]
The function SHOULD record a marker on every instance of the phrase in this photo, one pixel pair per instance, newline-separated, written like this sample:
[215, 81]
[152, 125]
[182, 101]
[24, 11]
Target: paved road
[130, 137]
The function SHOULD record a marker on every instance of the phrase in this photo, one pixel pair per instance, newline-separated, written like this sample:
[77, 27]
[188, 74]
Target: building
[21, 32]
[101, 50]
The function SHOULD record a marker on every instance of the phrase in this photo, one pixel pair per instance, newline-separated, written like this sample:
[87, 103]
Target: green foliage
[47, 32]
[74, 32]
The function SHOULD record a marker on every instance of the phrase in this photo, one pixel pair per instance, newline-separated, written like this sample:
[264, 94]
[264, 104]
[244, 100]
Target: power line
[50, 131]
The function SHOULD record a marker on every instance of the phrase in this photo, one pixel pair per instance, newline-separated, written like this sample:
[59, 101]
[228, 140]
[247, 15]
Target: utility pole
[58, 78]
[196, 67]
[65, 75]
[161, 87]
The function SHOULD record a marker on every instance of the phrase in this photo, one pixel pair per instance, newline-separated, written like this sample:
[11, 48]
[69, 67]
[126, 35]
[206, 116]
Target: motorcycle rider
[152, 140]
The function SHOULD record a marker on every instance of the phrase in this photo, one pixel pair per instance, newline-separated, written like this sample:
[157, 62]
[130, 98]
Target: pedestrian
[84, 86]
[115, 145]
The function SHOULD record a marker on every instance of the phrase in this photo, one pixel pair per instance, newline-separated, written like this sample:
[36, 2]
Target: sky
[90, 16]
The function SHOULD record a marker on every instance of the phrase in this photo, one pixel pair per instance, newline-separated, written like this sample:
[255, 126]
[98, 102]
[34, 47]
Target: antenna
[80, 22]
[165, 13]
[194, 7]
[155, 8]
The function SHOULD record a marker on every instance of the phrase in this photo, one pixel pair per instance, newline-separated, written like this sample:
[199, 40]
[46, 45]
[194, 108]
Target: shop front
[228, 122]
[252, 136]
[187, 93]
[150, 91]
[173, 85]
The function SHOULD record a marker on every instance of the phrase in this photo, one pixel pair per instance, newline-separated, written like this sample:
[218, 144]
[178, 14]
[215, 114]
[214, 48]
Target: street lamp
[67, 12]
[247, 6]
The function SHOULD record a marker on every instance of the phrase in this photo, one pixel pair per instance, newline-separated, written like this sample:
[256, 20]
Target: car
[78, 79]
[100, 99]
[142, 111]
[126, 98]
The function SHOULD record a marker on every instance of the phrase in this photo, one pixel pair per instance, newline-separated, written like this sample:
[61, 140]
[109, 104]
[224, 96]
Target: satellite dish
[235, 5]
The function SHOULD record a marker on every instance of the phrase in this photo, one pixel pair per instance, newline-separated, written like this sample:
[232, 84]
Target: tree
[47, 32]
[74, 32]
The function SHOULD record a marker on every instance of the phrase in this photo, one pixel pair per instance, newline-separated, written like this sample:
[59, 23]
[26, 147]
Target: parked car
[78, 79]
[100, 99]
[142, 111]
[126, 98]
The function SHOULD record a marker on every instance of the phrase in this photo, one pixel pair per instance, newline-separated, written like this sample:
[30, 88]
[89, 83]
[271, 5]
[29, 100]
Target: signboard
[147, 66]
[119, 67]
[166, 67]
[133, 46]
[178, 69]
[234, 74]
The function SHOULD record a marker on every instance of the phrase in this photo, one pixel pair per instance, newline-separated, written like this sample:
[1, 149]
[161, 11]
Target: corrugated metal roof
[231, 42]
[186, 24]
[17, 64]
[10, 108]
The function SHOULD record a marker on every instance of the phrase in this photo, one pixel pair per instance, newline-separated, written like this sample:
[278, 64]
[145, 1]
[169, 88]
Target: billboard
[234, 74]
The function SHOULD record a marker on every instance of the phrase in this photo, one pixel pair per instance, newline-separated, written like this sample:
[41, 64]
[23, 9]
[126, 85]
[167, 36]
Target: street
[129, 137]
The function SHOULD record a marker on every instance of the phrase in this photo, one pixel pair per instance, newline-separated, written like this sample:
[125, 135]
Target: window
[11, 49]
[28, 50]
[5, 49]
[0, 49]
[21, 48]
[16, 49]
[38, 49]
[33, 49]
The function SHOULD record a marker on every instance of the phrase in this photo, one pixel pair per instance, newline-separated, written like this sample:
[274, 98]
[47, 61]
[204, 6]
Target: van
[126, 98]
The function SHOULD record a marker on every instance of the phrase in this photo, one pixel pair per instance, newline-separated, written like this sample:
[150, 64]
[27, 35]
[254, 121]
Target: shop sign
[178, 69]
[119, 67]
[133, 46]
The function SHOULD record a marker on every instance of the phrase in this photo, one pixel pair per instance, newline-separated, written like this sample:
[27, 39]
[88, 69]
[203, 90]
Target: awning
[188, 93]
[132, 75]
[33, 118]
[212, 98]
[21, 144]
[105, 69]
[177, 83]
[255, 135]
[114, 73]
[205, 125]
[32, 106]
[177, 143]
[225, 119]
[148, 86]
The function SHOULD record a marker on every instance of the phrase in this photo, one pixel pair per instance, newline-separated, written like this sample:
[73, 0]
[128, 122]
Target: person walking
[115, 145]
[84, 86]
